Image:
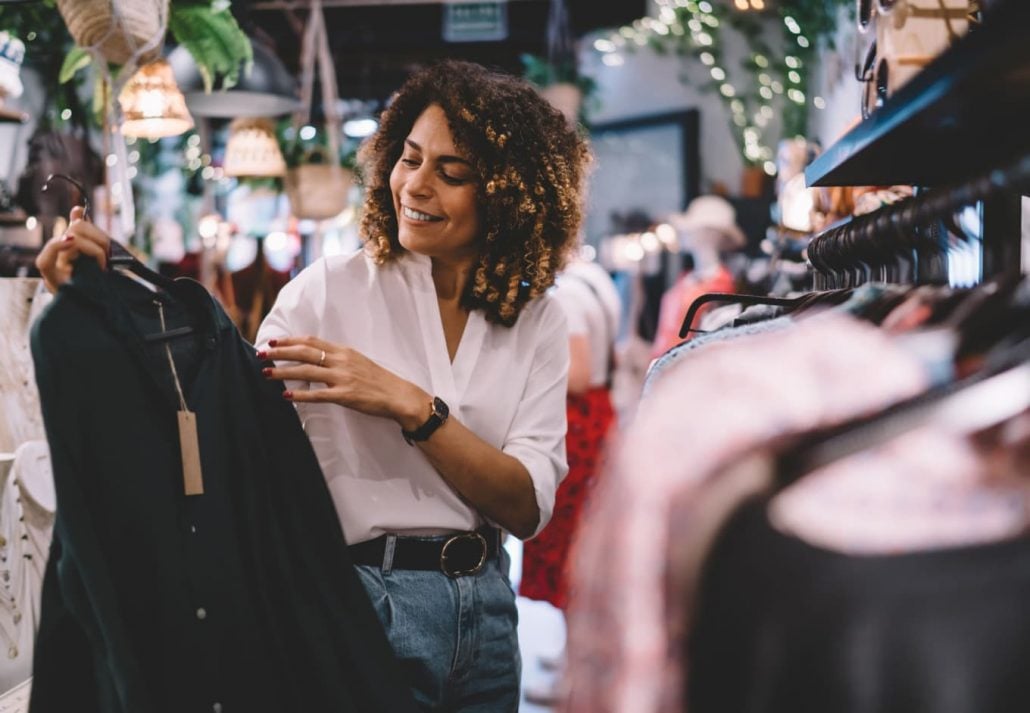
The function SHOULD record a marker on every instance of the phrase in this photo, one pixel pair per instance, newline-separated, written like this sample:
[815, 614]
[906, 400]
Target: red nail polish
[262, 354]
[67, 238]
[273, 342]
[287, 394]
[266, 372]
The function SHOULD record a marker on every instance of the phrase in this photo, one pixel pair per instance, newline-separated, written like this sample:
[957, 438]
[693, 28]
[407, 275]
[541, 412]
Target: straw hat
[709, 218]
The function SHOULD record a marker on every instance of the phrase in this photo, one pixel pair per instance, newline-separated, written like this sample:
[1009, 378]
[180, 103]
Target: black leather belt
[458, 555]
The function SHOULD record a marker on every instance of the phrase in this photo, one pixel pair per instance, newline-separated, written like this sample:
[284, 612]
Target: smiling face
[434, 192]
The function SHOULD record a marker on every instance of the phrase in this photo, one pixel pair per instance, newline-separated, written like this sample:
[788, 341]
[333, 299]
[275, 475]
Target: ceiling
[376, 45]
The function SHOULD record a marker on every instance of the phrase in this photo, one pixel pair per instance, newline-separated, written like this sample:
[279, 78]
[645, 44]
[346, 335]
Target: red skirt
[590, 415]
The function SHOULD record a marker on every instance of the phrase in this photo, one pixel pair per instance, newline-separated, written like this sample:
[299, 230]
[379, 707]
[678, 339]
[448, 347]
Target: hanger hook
[79, 186]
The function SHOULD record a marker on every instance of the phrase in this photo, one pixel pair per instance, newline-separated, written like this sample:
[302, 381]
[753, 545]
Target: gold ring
[321, 359]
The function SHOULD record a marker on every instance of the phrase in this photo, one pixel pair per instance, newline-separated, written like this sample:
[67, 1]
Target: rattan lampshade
[153, 105]
[252, 149]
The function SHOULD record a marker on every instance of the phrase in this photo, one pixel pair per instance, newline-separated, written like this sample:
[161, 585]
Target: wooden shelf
[965, 113]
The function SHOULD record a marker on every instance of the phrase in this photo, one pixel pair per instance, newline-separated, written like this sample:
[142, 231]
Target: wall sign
[475, 21]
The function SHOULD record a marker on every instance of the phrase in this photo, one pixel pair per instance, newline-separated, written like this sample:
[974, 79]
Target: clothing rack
[954, 124]
[915, 230]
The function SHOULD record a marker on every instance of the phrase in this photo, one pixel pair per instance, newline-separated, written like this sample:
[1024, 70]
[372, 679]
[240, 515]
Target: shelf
[965, 113]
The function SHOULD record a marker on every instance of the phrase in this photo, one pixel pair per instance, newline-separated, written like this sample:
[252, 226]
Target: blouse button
[202, 613]
[217, 708]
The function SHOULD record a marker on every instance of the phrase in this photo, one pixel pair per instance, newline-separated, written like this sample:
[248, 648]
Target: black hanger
[697, 304]
[118, 256]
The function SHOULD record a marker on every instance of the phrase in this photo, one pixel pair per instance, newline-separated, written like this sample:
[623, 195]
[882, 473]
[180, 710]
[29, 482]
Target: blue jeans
[456, 639]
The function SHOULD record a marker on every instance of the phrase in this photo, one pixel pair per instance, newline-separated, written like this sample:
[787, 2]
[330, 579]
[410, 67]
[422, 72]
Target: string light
[676, 18]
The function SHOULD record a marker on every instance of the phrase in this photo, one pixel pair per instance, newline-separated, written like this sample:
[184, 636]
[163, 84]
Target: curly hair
[530, 166]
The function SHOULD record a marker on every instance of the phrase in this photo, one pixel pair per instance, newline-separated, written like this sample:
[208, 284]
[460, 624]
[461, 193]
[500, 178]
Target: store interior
[811, 219]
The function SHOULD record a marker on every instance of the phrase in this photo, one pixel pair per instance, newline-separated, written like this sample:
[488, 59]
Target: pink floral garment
[718, 402]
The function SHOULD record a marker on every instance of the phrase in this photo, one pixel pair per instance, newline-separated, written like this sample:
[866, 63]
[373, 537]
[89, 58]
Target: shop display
[805, 490]
[12, 54]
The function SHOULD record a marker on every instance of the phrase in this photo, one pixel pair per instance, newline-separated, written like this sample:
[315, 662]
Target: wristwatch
[435, 420]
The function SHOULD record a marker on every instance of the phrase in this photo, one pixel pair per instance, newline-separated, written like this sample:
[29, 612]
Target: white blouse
[506, 384]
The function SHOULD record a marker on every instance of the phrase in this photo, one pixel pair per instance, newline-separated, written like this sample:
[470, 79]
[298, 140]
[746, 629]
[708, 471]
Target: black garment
[240, 599]
[785, 627]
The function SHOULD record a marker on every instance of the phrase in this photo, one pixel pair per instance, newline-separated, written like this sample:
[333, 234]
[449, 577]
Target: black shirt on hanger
[240, 599]
[785, 627]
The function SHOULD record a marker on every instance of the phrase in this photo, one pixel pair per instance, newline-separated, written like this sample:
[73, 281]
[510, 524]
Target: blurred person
[590, 300]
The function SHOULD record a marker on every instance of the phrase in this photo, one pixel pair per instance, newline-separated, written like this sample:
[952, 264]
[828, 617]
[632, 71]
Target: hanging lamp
[268, 89]
[152, 104]
[253, 150]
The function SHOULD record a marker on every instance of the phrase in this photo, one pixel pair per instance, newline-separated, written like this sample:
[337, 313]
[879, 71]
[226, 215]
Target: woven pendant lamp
[152, 104]
[252, 149]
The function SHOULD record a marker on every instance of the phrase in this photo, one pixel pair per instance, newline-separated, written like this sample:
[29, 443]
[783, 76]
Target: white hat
[12, 54]
[709, 215]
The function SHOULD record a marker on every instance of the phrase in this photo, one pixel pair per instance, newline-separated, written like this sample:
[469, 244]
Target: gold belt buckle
[463, 536]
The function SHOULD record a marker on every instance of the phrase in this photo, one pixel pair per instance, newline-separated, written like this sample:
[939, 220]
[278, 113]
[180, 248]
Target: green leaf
[217, 43]
[75, 60]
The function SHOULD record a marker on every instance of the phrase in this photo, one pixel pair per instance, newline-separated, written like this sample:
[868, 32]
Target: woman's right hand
[56, 260]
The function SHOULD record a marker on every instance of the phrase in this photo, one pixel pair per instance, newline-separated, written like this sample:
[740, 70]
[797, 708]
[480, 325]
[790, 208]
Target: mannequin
[708, 232]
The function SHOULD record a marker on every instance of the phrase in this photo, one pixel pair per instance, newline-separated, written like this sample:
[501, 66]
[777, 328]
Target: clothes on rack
[27, 506]
[242, 598]
[678, 298]
[681, 470]
[21, 301]
[783, 625]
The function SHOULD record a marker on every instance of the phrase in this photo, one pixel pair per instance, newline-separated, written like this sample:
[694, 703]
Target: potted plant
[561, 84]
[317, 182]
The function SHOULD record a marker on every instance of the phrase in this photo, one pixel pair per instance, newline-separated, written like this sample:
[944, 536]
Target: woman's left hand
[352, 380]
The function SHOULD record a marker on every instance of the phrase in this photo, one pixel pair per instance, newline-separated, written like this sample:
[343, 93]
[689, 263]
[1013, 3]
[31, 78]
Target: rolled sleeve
[537, 434]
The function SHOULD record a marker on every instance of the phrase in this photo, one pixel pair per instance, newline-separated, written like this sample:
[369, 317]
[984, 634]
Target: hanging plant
[209, 31]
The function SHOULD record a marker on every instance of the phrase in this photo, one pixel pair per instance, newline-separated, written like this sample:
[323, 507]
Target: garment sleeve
[537, 434]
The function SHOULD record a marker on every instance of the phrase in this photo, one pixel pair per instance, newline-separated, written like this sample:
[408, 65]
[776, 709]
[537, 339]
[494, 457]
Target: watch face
[440, 407]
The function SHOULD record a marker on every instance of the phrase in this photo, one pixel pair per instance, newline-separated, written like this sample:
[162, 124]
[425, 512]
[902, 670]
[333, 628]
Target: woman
[432, 386]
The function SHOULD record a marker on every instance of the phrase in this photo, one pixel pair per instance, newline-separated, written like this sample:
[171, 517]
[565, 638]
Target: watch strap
[439, 415]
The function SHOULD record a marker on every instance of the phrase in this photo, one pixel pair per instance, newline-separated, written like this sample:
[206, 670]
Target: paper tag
[192, 479]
